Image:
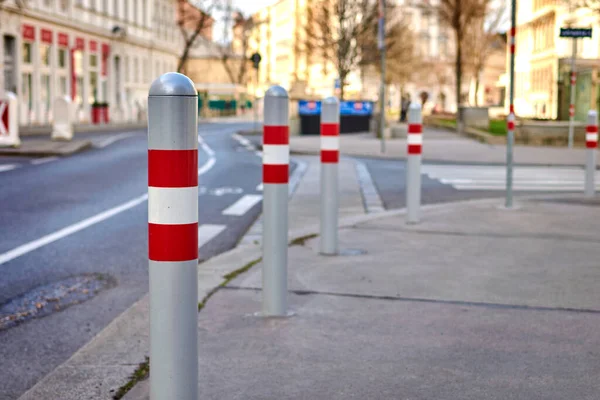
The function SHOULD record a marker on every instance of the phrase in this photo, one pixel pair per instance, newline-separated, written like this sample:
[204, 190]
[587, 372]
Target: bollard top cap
[172, 84]
[276, 91]
[592, 113]
[330, 100]
[414, 106]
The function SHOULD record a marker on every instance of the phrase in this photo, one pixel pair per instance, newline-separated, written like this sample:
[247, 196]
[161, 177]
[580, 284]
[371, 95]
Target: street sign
[576, 32]
[255, 58]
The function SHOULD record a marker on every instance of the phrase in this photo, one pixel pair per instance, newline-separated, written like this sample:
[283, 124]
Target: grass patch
[498, 127]
[142, 372]
[301, 241]
[228, 278]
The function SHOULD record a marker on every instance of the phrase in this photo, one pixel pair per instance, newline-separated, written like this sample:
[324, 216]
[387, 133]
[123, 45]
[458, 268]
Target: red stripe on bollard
[415, 128]
[275, 173]
[414, 149]
[276, 135]
[330, 129]
[330, 156]
[591, 129]
[172, 168]
[511, 125]
[173, 242]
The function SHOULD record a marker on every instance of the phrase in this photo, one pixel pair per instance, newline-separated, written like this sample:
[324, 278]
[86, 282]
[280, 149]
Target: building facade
[543, 59]
[93, 51]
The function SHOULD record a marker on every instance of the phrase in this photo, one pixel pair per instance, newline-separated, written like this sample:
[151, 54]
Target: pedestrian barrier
[330, 156]
[62, 126]
[591, 143]
[173, 237]
[9, 121]
[413, 163]
[276, 158]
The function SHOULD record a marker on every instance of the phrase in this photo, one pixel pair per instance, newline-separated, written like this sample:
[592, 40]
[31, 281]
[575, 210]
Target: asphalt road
[40, 200]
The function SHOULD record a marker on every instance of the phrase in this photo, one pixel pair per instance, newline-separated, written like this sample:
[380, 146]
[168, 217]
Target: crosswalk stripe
[476, 177]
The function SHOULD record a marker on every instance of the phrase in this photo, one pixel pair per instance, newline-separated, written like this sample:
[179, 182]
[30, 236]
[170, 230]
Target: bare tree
[401, 56]
[193, 22]
[335, 31]
[482, 40]
[235, 54]
[461, 16]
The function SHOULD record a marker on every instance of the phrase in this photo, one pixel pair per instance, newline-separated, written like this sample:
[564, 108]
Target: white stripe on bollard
[591, 139]
[330, 155]
[173, 237]
[279, 154]
[413, 163]
[275, 201]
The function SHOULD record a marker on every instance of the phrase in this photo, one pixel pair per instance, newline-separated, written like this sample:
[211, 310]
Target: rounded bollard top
[276, 91]
[172, 84]
[330, 100]
[592, 113]
[414, 106]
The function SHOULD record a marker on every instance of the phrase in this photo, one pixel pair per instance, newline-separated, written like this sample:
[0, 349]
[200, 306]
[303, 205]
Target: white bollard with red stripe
[9, 121]
[276, 159]
[413, 163]
[591, 142]
[330, 156]
[173, 237]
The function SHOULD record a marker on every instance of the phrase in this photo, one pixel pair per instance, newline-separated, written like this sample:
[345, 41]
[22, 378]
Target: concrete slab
[351, 348]
[46, 147]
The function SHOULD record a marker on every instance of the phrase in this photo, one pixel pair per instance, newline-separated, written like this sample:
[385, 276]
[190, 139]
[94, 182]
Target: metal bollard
[330, 156]
[173, 237]
[413, 163]
[591, 142]
[276, 159]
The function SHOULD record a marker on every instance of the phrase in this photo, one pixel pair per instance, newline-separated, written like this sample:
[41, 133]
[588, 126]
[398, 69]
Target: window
[126, 10]
[116, 8]
[93, 60]
[45, 54]
[135, 12]
[64, 5]
[62, 85]
[27, 52]
[62, 58]
[136, 74]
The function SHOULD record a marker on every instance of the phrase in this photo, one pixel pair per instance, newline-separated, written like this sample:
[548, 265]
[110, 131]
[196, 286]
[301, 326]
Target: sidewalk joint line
[424, 300]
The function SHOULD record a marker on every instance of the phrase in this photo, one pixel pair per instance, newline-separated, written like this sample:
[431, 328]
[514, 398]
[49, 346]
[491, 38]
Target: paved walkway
[444, 146]
[476, 302]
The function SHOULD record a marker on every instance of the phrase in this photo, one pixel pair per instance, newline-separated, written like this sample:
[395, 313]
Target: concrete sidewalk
[46, 148]
[476, 302]
[443, 146]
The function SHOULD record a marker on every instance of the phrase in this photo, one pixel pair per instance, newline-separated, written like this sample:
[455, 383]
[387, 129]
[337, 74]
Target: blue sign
[356, 108]
[309, 107]
[364, 108]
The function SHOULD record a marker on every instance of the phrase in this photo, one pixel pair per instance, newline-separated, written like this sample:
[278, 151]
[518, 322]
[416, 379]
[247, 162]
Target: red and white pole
[330, 157]
[9, 120]
[276, 159]
[413, 163]
[591, 143]
[173, 237]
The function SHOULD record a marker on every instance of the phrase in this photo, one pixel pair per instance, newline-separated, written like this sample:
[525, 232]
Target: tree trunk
[458, 81]
[342, 84]
[477, 83]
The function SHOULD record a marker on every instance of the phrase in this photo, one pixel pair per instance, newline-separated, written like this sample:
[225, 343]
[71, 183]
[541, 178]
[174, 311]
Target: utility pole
[510, 138]
[573, 85]
[381, 45]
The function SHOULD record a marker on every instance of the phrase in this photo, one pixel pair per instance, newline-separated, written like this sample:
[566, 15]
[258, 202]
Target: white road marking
[296, 177]
[248, 145]
[372, 200]
[243, 205]
[108, 141]
[212, 159]
[7, 167]
[69, 230]
[207, 232]
[44, 160]
[74, 228]
[491, 178]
